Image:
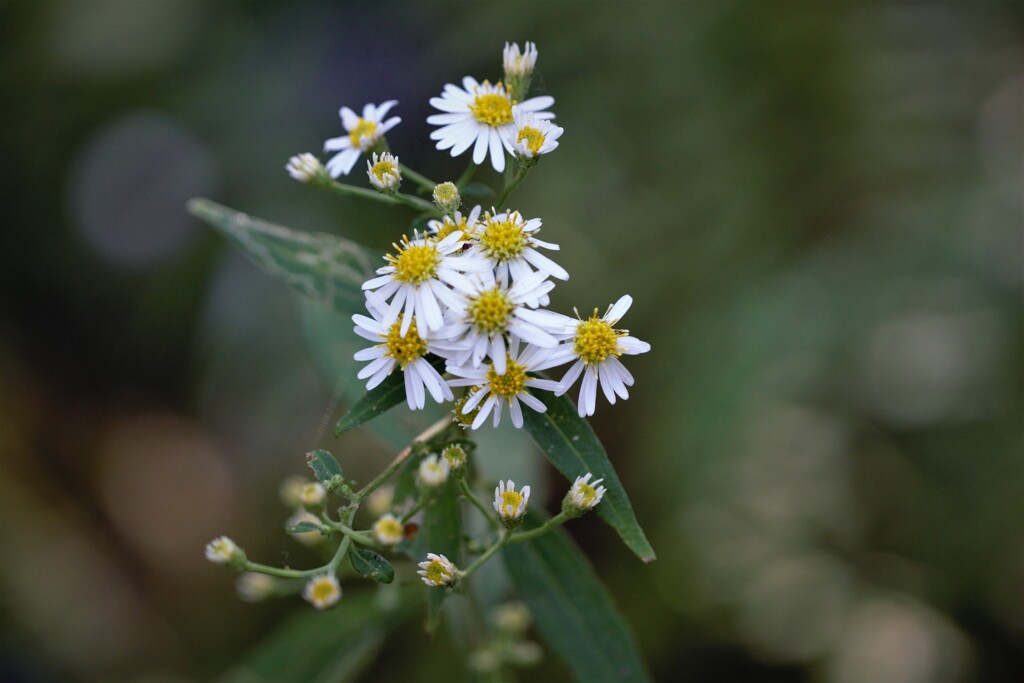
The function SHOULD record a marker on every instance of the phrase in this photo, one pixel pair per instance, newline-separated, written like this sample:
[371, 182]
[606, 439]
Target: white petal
[544, 263]
[618, 309]
[516, 413]
[497, 353]
[497, 151]
[480, 149]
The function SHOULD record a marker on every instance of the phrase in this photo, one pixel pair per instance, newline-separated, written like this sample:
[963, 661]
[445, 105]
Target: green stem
[466, 176]
[379, 197]
[416, 508]
[520, 176]
[332, 566]
[361, 537]
[427, 434]
[283, 573]
[467, 492]
[421, 180]
[488, 554]
[547, 526]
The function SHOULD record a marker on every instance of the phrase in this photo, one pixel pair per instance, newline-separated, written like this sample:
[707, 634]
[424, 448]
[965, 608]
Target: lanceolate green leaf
[321, 266]
[573, 611]
[332, 646]
[371, 564]
[572, 447]
[379, 400]
[324, 465]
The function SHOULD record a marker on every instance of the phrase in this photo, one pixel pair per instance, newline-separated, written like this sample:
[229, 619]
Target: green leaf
[574, 449]
[572, 610]
[332, 646]
[321, 266]
[477, 191]
[372, 565]
[304, 527]
[380, 399]
[325, 468]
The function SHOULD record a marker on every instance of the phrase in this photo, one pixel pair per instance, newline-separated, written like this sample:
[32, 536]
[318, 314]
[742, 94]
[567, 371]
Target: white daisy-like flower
[518, 63]
[438, 571]
[491, 389]
[312, 495]
[433, 471]
[393, 347]
[253, 587]
[322, 591]
[388, 530]
[362, 134]
[584, 495]
[509, 503]
[480, 115]
[510, 243]
[487, 313]
[417, 280]
[222, 550]
[464, 225]
[596, 345]
[531, 138]
[304, 167]
[383, 172]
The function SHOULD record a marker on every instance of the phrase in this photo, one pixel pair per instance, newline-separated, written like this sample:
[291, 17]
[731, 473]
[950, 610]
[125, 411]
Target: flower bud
[583, 496]
[433, 472]
[305, 168]
[455, 456]
[312, 496]
[519, 68]
[510, 504]
[254, 587]
[222, 550]
[447, 198]
[384, 173]
[438, 571]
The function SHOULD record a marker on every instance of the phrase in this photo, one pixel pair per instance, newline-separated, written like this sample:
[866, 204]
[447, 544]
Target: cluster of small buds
[433, 472]
[322, 591]
[384, 173]
[510, 504]
[222, 550]
[388, 530]
[305, 168]
[457, 459]
[583, 496]
[438, 571]
[447, 198]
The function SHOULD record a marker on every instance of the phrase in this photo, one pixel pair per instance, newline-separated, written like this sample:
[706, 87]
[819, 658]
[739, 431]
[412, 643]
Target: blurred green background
[817, 208]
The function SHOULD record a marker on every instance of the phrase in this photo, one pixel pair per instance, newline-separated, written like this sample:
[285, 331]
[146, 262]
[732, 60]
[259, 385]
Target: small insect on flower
[222, 550]
[384, 172]
[583, 495]
[388, 530]
[510, 504]
[433, 471]
[438, 571]
[304, 167]
[362, 134]
[322, 591]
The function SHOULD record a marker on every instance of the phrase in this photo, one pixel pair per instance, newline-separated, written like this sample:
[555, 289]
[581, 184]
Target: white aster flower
[518, 63]
[488, 315]
[531, 138]
[596, 345]
[222, 550]
[510, 243]
[491, 390]
[480, 115]
[438, 571]
[322, 591]
[433, 471]
[388, 530]
[392, 348]
[417, 280]
[312, 495]
[509, 503]
[362, 134]
[383, 172]
[464, 225]
[584, 495]
[253, 587]
[304, 167]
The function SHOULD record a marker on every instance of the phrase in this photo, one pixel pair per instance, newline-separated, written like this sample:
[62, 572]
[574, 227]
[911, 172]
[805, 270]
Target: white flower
[509, 242]
[383, 172]
[464, 225]
[312, 495]
[509, 503]
[455, 456]
[253, 587]
[222, 550]
[488, 312]
[322, 591]
[393, 348]
[584, 495]
[433, 471]
[519, 63]
[388, 529]
[531, 138]
[438, 571]
[304, 167]
[480, 115]
[510, 387]
[596, 345]
[362, 133]
[417, 279]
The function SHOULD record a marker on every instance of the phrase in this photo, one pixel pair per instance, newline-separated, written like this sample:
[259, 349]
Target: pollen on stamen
[512, 383]
[404, 349]
[415, 263]
[363, 133]
[493, 109]
[596, 340]
[489, 311]
[534, 139]
[504, 240]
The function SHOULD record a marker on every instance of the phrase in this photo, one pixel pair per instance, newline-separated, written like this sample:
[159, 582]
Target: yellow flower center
[436, 572]
[489, 311]
[323, 591]
[466, 419]
[446, 192]
[596, 340]
[383, 168]
[415, 264]
[534, 139]
[363, 129]
[587, 493]
[512, 383]
[510, 502]
[449, 226]
[492, 109]
[504, 240]
[405, 349]
[389, 528]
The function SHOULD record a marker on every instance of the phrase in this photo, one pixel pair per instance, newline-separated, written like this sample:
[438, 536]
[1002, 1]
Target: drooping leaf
[321, 266]
[325, 468]
[573, 448]
[573, 611]
[380, 399]
[304, 527]
[371, 564]
[332, 646]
